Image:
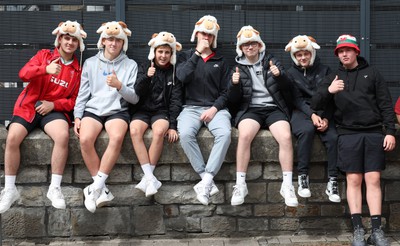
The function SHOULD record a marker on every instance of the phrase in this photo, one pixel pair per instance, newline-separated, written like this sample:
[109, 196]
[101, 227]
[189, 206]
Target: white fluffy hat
[114, 29]
[161, 39]
[72, 28]
[207, 24]
[302, 42]
[245, 35]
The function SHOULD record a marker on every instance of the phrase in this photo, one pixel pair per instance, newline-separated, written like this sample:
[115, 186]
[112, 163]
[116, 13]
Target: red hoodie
[61, 89]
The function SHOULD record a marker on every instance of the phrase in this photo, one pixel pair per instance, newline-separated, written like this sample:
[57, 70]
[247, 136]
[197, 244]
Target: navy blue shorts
[39, 120]
[361, 152]
[150, 117]
[265, 116]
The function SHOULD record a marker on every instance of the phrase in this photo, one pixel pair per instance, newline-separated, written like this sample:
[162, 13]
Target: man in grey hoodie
[257, 92]
[107, 86]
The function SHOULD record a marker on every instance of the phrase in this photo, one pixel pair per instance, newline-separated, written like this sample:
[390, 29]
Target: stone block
[304, 210]
[197, 210]
[217, 224]
[24, 222]
[326, 224]
[391, 191]
[394, 220]
[269, 210]
[272, 171]
[253, 224]
[284, 224]
[333, 209]
[105, 221]
[59, 222]
[154, 218]
[32, 174]
[235, 211]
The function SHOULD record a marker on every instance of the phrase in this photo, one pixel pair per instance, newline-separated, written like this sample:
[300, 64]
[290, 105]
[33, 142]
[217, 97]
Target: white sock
[207, 179]
[152, 167]
[100, 180]
[202, 175]
[287, 178]
[148, 172]
[10, 181]
[55, 180]
[240, 178]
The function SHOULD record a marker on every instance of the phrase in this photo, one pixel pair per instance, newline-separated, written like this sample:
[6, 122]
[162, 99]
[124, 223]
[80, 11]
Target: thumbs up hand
[274, 69]
[112, 81]
[236, 77]
[54, 67]
[336, 86]
[151, 71]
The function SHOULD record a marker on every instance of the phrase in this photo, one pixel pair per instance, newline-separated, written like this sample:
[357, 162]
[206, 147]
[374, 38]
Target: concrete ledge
[174, 210]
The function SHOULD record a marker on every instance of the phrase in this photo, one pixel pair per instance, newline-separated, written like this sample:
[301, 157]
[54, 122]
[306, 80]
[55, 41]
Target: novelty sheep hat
[346, 40]
[164, 38]
[248, 34]
[114, 29]
[207, 24]
[302, 42]
[72, 28]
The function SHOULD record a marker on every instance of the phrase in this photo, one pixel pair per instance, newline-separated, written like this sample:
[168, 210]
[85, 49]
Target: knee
[135, 133]
[186, 135]
[158, 133]
[62, 138]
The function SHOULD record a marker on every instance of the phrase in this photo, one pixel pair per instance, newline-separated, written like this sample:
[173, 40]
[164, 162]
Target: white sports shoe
[7, 198]
[152, 186]
[203, 192]
[304, 186]
[142, 185]
[239, 193]
[105, 197]
[332, 190]
[91, 196]
[56, 197]
[214, 189]
[287, 192]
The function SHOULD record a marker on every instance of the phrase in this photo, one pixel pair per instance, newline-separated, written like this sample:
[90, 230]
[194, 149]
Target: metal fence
[26, 26]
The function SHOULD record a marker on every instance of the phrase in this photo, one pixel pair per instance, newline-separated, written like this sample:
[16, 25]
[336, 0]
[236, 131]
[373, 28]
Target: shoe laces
[289, 191]
[303, 181]
[359, 234]
[56, 193]
[236, 190]
[335, 187]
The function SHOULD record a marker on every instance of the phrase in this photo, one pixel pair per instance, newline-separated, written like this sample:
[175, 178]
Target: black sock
[376, 222]
[356, 220]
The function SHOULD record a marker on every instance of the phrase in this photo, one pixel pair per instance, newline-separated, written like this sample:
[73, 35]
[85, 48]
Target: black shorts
[124, 115]
[39, 120]
[150, 117]
[361, 152]
[265, 116]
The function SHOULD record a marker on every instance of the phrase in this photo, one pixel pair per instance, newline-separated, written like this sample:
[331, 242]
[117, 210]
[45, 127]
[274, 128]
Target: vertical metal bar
[365, 27]
[120, 10]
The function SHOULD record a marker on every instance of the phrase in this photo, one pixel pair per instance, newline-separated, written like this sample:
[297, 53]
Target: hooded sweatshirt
[364, 105]
[95, 96]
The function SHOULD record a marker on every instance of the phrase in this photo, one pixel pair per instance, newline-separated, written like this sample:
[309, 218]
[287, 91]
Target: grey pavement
[303, 240]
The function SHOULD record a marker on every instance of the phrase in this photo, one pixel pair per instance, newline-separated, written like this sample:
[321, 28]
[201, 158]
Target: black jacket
[364, 105]
[239, 95]
[205, 83]
[306, 82]
[172, 91]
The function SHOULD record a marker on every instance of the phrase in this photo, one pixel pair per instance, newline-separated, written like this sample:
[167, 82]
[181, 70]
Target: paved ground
[297, 240]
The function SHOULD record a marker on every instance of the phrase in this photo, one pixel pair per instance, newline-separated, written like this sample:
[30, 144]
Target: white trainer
[332, 190]
[304, 186]
[152, 186]
[56, 197]
[239, 193]
[203, 192]
[91, 196]
[7, 198]
[142, 185]
[105, 197]
[214, 189]
[287, 192]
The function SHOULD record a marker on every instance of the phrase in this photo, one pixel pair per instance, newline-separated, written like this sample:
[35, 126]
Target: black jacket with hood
[172, 91]
[239, 95]
[364, 105]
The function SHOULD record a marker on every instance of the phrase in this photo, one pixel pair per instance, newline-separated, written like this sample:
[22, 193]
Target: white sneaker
[203, 192]
[304, 186]
[7, 198]
[56, 197]
[142, 185]
[105, 197]
[332, 190]
[91, 197]
[152, 186]
[214, 189]
[239, 193]
[287, 191]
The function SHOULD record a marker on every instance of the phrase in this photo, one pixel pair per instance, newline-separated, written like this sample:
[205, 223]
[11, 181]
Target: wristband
[198, 52]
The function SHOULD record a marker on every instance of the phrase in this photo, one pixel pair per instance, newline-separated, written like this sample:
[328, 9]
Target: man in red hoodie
[46, 102]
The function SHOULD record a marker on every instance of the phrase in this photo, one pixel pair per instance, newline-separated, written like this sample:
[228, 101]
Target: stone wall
[174, 210]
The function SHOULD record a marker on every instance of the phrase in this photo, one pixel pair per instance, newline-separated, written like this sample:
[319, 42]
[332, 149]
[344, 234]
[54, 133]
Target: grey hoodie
[261, 96]
[96, 96]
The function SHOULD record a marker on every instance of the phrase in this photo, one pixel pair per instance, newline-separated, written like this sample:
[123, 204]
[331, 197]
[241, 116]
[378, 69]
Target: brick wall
[174, 210]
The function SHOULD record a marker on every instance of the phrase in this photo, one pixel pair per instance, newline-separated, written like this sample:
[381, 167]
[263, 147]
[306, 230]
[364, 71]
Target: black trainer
[358, 237]
[378, 238]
